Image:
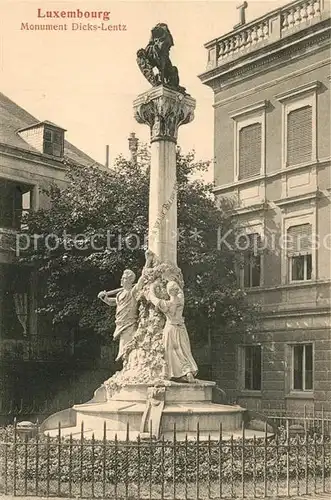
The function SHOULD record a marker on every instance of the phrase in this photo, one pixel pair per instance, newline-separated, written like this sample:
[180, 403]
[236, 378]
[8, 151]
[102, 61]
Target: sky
[86, 81]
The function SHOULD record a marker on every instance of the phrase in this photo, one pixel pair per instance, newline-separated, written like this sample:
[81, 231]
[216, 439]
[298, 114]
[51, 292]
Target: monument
[157, 387]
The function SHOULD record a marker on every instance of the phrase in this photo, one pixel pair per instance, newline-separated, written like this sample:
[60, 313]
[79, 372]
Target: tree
[96, 227]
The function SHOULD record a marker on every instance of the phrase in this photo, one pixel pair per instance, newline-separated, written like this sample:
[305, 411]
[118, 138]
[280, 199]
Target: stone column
[164, 110]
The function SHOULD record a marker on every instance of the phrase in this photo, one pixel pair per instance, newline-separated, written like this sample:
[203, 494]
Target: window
[299, 252]
[249, 141]
[252, 367]
[302, 367]
[26, 207]
[299, 139]
[15, 301]
[15, 200]
[53, 142]
[299, 136]
[250, 144]
[250, 272]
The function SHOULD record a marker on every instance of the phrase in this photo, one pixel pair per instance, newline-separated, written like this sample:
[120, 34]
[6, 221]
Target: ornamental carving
[164, 110]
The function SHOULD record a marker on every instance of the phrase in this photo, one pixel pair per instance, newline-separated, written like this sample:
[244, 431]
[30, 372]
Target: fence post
[265, 458]
[254, 466]
[25, 464]
[139, 459]
[174, 458]
[306, 459]
[150, 459]
[277, 462]
[37, 458]
[243, 461]
[232, 463]
[104, 458]
[6, 445]
[47, 463]
[220, 461]
[323, 452]
[288, 457]
[70, 465]
[81, 459]
[116, 459]
[127, 451]
[209, 466]
[297, 469]
[186, 455]
[59, 461]
[92, 464]
[315, 464]
[15, 456]
[197, 465]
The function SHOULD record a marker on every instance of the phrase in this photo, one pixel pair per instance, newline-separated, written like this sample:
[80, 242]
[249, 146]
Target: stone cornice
[253, 108]
[299, 91]
[288, 286]
[270, 83]
[297, 199]
[256, 180]
[31, 157]
[295, 312]
[268, 57]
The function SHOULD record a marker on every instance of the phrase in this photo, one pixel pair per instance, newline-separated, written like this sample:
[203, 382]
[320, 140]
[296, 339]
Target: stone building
[271, 84]
[32, 154]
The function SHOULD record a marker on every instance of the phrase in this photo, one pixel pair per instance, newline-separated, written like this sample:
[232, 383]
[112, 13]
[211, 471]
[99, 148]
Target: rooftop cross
[242, 14]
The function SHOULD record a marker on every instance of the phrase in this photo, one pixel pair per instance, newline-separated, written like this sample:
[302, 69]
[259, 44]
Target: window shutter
[299, 240]
[250, 146]
[299, 136]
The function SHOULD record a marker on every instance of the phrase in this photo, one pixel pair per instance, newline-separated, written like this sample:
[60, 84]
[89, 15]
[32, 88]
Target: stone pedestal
[152, 410]
[164, 110]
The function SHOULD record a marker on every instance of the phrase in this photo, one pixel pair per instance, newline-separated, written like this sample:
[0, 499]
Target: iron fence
[281, 465]
[32, 410]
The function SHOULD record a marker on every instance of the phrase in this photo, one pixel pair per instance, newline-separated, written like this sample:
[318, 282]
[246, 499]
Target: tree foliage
[97, 226]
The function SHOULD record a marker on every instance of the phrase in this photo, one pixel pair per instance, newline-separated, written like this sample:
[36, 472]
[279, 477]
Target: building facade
[32, 155]
[271, 84]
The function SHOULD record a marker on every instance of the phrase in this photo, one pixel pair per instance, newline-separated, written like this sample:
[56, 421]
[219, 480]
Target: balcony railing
[273, 26]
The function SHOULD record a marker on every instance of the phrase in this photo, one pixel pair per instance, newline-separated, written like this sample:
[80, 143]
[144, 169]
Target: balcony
[274, 26]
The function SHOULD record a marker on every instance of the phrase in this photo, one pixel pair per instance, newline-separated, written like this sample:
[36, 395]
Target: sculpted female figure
[179, 361]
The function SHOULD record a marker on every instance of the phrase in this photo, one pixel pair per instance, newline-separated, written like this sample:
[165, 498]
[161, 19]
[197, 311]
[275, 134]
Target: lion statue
[156, 56]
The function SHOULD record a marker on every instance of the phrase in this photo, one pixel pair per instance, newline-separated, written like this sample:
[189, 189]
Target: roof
[39, 124]
[13, 118]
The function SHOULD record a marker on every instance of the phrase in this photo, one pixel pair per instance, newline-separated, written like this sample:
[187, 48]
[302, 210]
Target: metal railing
[283, 465]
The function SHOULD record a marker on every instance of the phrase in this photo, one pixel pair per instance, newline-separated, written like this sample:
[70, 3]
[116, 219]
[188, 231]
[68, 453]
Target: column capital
[164, 110]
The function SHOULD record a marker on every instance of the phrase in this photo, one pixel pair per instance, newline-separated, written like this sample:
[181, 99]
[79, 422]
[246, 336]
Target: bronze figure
[156, 55]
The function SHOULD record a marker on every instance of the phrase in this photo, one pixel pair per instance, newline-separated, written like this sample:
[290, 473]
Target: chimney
[133, 147]
[107, 156]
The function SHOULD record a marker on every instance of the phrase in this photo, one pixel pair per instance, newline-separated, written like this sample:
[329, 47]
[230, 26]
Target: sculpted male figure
[126, 303]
